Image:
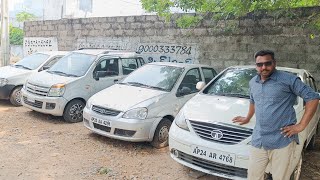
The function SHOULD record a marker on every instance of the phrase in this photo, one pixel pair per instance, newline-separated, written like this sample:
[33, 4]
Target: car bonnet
[124, 97]
[217, 109]
[8, 71]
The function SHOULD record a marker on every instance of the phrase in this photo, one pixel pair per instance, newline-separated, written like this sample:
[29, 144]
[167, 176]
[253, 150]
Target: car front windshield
[233, 82]
[72, 65]
[158, 77]
[32, 61]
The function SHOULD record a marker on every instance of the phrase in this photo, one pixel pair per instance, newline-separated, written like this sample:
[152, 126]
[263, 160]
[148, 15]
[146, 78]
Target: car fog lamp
[175, 153]
[3, 82]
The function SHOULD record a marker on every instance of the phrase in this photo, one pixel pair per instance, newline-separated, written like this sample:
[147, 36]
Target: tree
[25, 16]
[15, 33]
[224, 8]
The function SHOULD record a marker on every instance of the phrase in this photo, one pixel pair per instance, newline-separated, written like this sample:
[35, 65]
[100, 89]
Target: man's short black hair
[263, 53]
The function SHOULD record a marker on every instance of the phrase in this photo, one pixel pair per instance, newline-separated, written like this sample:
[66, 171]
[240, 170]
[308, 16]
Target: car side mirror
[183, 91]
[44, 68]
[99, 74]
[200, 85]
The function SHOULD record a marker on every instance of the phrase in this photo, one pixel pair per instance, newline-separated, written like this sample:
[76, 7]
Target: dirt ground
[35, 146]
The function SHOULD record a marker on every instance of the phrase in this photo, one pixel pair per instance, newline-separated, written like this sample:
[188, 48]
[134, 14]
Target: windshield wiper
[137, 84]
[239, 95]
[159, 88]
[24, 67]
[62, 73]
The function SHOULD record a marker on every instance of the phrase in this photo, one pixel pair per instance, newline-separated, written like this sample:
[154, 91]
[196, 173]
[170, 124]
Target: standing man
[272, 96]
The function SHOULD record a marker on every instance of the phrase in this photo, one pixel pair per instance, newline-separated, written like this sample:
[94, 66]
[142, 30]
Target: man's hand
[288, 131]
[241, 120]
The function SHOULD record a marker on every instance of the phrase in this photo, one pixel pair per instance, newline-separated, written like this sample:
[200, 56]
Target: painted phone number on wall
[165, 49]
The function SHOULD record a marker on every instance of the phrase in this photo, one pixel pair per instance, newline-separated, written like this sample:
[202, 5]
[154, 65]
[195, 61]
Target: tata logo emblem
[102, 111]
[216, 134]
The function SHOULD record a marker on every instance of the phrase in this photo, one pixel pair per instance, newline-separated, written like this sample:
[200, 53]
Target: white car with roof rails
[64, 89]
[143, 106]
[12, 77]
[203, 136]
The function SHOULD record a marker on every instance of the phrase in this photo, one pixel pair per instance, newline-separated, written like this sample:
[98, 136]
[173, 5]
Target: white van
[203, 136]
[64, 88]
[13, 77]
[143, 105]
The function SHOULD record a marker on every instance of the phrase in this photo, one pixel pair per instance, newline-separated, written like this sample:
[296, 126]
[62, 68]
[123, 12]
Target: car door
[109, 71]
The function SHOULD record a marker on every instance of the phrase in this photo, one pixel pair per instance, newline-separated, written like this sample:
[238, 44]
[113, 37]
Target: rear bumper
[5, 91]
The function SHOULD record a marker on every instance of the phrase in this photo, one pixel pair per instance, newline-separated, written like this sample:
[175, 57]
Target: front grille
[38, 90]
[37, 104]
[230, 134]
[101, 127]
[105, 111]
[213, 166]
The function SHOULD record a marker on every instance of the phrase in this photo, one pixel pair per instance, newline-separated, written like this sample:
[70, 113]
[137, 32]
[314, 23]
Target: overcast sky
[104, 7]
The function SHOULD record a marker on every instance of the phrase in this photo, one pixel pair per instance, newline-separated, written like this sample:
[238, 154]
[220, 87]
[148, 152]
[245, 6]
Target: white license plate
[213, 155]
[101, 121]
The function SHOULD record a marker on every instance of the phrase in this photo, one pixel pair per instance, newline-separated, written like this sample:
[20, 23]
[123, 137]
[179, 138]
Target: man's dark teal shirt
[274, 101]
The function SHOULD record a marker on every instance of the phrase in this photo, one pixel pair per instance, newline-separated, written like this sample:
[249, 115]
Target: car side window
[129, 65]
[51, 62]
[208, 74]
[190, 81]
[107, 67]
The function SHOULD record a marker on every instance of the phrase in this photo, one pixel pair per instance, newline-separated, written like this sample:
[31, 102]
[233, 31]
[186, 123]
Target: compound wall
[217, 43]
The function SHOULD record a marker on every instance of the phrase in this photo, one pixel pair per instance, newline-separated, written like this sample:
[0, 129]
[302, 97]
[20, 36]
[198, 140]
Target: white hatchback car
[64, 88]
[143, 106]
[13, 77]
[203, 136]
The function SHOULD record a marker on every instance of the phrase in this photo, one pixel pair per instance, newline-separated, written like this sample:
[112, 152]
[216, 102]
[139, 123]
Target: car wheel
[73, 111]
[312, 143]
[297, 171]
[161, 135]
[15, 97]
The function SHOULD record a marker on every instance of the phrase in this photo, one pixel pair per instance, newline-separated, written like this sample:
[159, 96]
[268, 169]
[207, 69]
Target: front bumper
[182, 143]
[120, 128]
[47, 105]
[5, 91]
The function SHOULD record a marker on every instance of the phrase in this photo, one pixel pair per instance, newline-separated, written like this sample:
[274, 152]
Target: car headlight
[181, 121]
[3, 81]
[137, 113]
[89, 104]
[57, 90]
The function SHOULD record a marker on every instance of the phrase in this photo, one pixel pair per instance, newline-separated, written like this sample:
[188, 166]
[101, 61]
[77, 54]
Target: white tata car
[204, 138]
[13, 77]
[143, 106]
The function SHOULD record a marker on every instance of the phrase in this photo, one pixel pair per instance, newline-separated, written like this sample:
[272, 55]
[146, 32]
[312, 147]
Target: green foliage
[188, 21]
[15, 35]
[223, 8]
[25, 16]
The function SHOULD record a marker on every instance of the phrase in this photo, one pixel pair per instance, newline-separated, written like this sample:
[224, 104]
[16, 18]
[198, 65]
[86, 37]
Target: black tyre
[161, 135]
[73, 111]
[15, 97]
